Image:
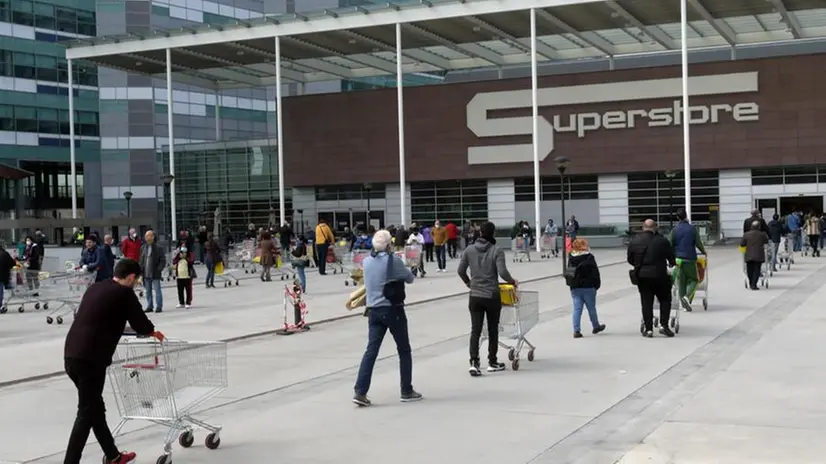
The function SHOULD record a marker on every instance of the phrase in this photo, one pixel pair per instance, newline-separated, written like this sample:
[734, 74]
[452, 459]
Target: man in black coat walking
[105, 309]
[650, 253]
[6, 265]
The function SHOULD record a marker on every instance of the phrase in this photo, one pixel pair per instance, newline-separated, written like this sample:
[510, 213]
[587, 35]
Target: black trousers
[649, 290]
[481, 308]
[814, 241]
[753, 271]
[90, 379]
[452, 244]
[185, 291]
[428, 252]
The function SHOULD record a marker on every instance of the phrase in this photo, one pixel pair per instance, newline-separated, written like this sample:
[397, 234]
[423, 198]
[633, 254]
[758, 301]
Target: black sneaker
[648, 334]
[598, 329]
[149, 310]
[577, 334]
[410, 397]
[667, 332]
[474, 369]
[361, 400]
[496, 367]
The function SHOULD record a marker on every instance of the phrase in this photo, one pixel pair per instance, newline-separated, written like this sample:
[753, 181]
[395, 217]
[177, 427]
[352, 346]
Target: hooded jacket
[486, 263]
[586, 271]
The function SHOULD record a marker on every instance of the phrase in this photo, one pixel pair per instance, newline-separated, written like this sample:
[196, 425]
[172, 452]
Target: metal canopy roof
[359, 42]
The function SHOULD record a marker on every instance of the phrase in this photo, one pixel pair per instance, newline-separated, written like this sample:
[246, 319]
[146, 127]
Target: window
[5, 11]
[800, 175]
[456, 201]
[22, 12]
[350, 192]
[47, 16]
[580, 187]
[767, 176]
[6, 118]
[652, 195]
[46, 68]
[47, 121]
[6, 68]
[24, 65]
[44, 15]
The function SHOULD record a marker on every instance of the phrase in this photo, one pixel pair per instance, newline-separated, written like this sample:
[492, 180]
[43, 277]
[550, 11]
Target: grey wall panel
[114, 124]
[93, 192]
[114, 173]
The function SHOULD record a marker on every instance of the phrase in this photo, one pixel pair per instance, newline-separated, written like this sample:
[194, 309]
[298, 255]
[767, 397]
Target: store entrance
[806, 204]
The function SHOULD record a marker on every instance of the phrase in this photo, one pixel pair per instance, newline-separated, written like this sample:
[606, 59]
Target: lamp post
[300, 220]
[367, 188]
[128, 195]
[167, 181]
[561, 166]
[670, 176]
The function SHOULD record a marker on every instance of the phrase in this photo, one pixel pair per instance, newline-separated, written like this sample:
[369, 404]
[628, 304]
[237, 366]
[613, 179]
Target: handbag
[393, 289]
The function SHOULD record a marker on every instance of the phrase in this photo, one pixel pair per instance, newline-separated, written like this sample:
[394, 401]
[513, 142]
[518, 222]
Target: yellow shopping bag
[507, 294]
[742, 249]
[219, 268]
[278, 261]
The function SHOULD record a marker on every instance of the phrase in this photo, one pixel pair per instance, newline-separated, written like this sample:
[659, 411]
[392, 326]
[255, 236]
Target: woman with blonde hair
[583, 277]
[812, 226]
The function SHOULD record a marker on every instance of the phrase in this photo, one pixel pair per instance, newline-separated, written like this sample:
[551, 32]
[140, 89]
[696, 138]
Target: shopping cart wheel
[21, 309]
[676, 328]
[49, 319]
[673, 323]
[515, 365]
[511, 354]
[530, 355]
[140, 294]
[656, 322]
[642, 328]
[237, 283]
[59, 320]
[346, 283]
[37, 306]
[212, 441]
[186, 439]
[705, 304]
[164, 459]
[3, 310]
[225, 284]
[45, 305]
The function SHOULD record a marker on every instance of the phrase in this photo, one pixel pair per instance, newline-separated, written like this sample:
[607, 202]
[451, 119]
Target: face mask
[28, 243]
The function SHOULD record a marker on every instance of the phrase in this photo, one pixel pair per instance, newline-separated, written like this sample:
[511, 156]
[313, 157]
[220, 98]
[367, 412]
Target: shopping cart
[245, 255]
[77, 283]
[357, 272]
[521, 249]
[412, 257]
[336, 255]
[32, 288]
[785, 252]
[520, 314]
[548, 247]
[163, 383]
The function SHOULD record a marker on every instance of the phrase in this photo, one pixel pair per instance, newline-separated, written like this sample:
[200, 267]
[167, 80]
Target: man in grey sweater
[487, 263]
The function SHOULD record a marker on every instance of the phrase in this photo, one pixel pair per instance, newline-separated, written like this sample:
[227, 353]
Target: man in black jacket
[105, 309]
[755, 216]
[6, 265]
[650, 253]
[776, 232]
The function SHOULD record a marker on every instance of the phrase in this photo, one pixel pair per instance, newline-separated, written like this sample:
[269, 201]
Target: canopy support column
[400, 104]
[686, 112]
[537, 181]
[72, 156]
[169, 103]
[279, 121]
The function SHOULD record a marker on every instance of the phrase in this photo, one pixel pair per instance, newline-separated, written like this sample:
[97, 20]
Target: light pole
[670, 176]
[367, 188]
[561, 166]
[167, 181]
[128, 195]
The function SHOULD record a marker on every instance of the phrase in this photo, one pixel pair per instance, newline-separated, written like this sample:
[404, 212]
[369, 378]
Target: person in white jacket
[417, 239]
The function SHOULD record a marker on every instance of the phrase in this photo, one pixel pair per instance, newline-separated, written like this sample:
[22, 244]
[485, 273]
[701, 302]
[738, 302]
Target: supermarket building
[468, 143]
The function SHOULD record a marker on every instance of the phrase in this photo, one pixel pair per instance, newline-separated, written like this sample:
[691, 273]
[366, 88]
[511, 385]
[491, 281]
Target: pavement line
[609, 436]
[51, 375]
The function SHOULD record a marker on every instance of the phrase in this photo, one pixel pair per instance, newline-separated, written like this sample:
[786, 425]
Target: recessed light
[476, 28]
[240, 53]
[352, 41]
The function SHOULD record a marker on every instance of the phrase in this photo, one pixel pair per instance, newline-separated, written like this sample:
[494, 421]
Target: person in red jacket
[452, 239]
[131, 247]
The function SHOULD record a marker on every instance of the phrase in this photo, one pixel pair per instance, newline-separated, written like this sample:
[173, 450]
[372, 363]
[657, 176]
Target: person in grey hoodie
[487, 263]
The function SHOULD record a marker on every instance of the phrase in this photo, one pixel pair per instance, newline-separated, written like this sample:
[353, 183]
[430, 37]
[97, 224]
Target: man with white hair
[385, 276]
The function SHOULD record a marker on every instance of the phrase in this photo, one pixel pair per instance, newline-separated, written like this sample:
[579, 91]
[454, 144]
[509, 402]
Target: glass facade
[651, 196]
[788, 175]
[456, 201]
[240, 178]
[577, 187]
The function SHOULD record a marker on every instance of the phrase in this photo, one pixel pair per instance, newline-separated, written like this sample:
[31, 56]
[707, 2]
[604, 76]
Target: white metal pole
[169, 103]
[72, 168]
[279, 121]
[217, 115]
[537, 181]
[686, 112]
[400, 102]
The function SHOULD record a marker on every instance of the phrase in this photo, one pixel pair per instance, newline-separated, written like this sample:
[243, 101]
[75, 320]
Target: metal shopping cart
[412, 257]
[336, 254]
[245, 256]
[785, 252]
[163, 383]
[521, 249]
[549, 248]
[77, 283]
[520, 314]
[357, 272]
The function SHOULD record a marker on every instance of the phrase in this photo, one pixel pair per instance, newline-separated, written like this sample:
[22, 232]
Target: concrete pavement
[741, 383]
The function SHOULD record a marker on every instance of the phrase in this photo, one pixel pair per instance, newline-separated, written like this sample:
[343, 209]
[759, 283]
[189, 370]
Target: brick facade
[352, 137]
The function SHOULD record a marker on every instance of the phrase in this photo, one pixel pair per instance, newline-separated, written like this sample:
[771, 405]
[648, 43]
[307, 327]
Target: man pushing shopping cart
[686, 241]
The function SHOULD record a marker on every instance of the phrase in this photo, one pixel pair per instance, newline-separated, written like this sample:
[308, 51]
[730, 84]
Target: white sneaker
[179, 306]
[188, 306]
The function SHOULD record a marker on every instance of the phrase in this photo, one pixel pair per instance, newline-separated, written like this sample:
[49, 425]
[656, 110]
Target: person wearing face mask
[131, 247]
[99, 323]
[33, 259]
[417, 239]
[183, 263]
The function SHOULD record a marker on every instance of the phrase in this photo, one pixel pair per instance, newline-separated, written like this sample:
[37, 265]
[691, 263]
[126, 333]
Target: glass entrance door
[768, 207]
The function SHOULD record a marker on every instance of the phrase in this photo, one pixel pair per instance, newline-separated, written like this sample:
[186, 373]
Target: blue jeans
[302, 277]
[588, 298]
[210, 277]
[798, 240]
[441, 256]
[153, 286]
[380, 320]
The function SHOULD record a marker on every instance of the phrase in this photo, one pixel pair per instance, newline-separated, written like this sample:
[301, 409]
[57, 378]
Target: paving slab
[601, 399]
